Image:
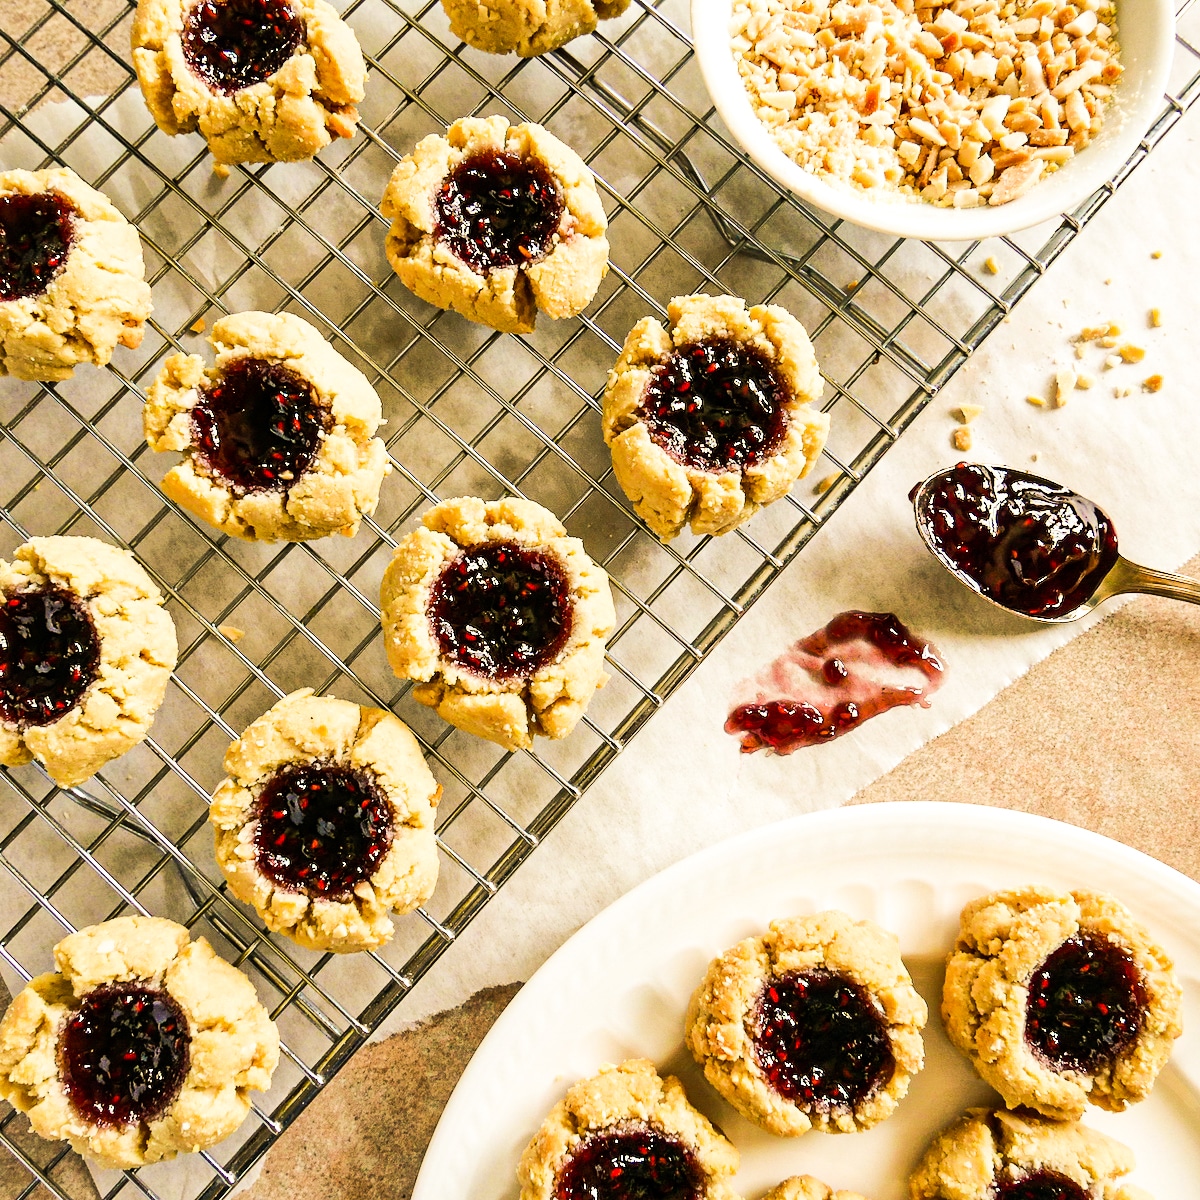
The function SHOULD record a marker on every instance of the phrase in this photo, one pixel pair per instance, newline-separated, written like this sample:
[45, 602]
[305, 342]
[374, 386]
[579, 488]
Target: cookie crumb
[1132, 354]
[232, 632]
[198, 325]
[990, 265]
[966, 413]
[1034, 456]
[1156, 318]
[1083, 382]
[1152, 383]
[961, 438]
[1036, 401]
[220, 170]
[823, 485]
[1064, 385]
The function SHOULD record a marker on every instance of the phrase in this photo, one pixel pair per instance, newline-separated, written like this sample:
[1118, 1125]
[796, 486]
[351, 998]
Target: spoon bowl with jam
[1030, 545]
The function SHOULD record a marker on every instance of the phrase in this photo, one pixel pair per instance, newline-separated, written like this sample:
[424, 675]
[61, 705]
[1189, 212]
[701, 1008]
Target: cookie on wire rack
[526, 27]
[261, 80]
[72, 278]
[142, 1045]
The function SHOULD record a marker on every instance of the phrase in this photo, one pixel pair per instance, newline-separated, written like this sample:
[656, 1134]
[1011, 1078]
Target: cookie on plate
[1014, 1156]
[277, 435]
[262, 80]
[86, 649]
[625, 1121]
[1061, 999]
[814, 1025]
[497, 221]
[325, 822]
[142, 1045]
[806, 1187]
[526, 27]
[713, 418]
[72, 280]
[499, 618]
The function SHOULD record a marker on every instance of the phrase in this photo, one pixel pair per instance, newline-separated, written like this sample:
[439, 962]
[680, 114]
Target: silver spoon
[1121, 577]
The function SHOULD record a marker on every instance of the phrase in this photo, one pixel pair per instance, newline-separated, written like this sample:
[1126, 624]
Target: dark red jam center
[49, 655]
[259, 425]
[1040, 1185]
[821, 1040]
[124, 1053]
[842, 698]
[322, 829]
[233, 44]
[498, 210]
[716, 405]
[35, 236]
[1026, 542]
[1086, 1004]
[501, 610]
[630, 1163]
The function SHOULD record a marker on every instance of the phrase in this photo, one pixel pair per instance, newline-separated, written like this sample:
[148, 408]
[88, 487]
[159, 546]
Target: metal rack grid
[469, 412]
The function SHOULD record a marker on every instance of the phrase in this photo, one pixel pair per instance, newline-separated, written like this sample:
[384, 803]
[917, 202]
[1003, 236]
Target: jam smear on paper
[860, 665]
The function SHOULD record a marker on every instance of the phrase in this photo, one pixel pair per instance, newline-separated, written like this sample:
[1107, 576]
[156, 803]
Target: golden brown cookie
[814, 1025]
[526, 27]
[325, 823]
[805, 1187]
[141, 1046]
[262, 80]
[72, 280]
[497, 221]
[1061, 999]
[86, 649]
[626, 1118]
[713, 418]
[1017, 1156]
[499, 618]
[277, 436]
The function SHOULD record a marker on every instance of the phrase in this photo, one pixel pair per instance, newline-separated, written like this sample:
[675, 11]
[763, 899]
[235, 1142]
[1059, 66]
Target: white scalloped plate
[619, 988]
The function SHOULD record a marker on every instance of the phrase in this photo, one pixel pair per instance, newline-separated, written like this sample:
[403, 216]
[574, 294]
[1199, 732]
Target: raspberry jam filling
[498, 210]
[259, 425]
[716, 405]
[821, 1040]
[36, 233]
[233, 44]
[49, 655]
[124, 1053]
[321, 829]
[1026, 542]
[501, 610]
[1086, 1004]
[1040, 1185]
[630, 1162]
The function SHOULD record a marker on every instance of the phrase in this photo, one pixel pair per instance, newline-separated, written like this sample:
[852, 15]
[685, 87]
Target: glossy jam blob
[1086, 1004]
[630, 1163]
[233, 44]
[835, 679]
[36, 233]
[259, 425]
[322, 829]
[498, 210]
[124, 1053]
[501, 610]
[716, 405]
[821, 1040]
[1026, 542]
[49, 655]
[1040, 1185]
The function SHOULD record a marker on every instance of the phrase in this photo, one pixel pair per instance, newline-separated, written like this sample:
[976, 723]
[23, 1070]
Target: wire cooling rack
[469, 411]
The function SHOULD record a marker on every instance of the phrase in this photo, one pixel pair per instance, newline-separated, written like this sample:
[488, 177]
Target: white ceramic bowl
[1146, 30]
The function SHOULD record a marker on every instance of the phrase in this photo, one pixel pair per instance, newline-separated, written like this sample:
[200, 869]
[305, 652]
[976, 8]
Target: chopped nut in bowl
[947, 121]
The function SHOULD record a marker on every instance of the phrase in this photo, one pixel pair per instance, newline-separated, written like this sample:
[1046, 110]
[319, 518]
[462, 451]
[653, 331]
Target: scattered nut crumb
[1080, 349]
[966, 413]
[1108, 283]
[1083, 382]
[1036, 401]
[1064, 385]
[1155, 318]
[852, 285]
[1108, 343]
[1156, 254]
[961, 439]
[1113, 360]
[1034, 456]
[1152, 383]
[823, 485]
[1121, 392]
[197, 326]
[1133, 354]
[232, 632]
[220, 170]
[990, 265]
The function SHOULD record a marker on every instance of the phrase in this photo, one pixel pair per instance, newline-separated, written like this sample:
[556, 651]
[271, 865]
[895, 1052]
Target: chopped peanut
[990, 265]
[961, 439]
[1064, 385]
[1132, 354]
[966, 413]
[1036, 401]
[823, 485]
[232, 632]
[1152, 383]
[197, 326]
[1155, 318]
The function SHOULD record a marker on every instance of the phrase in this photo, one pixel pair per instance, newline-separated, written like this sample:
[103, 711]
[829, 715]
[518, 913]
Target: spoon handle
[1133, 578]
